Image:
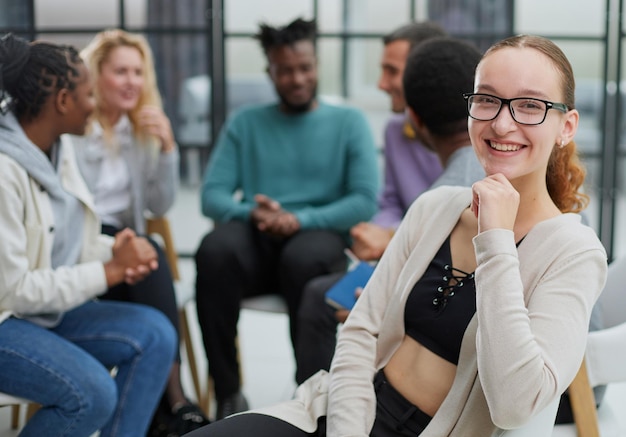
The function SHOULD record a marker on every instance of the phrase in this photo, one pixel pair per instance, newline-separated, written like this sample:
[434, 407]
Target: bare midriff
[419, 375]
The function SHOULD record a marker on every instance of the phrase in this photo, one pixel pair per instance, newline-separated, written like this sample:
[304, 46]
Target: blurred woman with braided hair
[59, 344]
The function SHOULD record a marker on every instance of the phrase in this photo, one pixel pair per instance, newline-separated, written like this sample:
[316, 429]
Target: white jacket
[28, 284]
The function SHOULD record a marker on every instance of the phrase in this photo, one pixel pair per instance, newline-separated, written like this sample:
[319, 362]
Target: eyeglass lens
[523, 110]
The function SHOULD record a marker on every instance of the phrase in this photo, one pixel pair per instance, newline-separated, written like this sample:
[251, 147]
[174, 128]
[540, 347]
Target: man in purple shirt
[410, 169]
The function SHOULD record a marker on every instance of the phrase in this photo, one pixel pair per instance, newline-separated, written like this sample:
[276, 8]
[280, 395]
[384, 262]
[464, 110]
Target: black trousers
[235, 261]
[317, 328]
[395, 417]
[156, 290]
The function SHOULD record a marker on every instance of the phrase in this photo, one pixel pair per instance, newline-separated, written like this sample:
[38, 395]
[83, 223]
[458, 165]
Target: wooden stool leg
[583, 404]
[31, 410]
[15, 416]
[210, 392]
[191, 355]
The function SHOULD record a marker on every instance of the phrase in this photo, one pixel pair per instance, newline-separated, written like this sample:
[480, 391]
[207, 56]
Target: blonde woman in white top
[129, 160]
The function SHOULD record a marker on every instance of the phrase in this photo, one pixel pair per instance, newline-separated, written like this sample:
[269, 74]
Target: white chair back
[606, 354]
[612, 302]
[6, 399]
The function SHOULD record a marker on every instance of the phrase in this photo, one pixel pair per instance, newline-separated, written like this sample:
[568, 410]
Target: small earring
[562, 144]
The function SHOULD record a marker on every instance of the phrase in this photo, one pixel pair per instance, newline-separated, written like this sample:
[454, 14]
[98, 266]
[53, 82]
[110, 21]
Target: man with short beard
[307, 172]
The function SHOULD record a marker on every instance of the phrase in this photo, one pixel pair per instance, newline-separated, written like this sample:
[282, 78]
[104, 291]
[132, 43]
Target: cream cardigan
[520, 351]
[28, 284]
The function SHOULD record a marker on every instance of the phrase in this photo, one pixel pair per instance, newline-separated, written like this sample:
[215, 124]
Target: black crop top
[440, 306]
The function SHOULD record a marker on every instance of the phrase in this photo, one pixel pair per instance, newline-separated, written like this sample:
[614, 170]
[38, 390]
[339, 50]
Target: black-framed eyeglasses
[524, 110]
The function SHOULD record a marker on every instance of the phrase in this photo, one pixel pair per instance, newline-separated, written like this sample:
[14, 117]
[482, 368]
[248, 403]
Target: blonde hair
[97, 52]
[566, 173]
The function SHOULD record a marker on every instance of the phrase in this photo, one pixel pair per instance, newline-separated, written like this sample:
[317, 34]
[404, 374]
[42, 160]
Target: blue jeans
[66, 369]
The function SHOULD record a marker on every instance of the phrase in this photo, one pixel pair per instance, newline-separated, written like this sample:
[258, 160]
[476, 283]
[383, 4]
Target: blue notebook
[341, 295]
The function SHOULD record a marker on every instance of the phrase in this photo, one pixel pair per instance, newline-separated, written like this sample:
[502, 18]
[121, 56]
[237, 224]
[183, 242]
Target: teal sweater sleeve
[321, 166]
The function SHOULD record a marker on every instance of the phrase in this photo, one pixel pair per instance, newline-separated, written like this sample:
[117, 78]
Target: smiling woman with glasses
[513, 271]
[524, 110]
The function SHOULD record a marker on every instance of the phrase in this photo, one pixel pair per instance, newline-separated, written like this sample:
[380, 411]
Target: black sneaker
[186, 419]
[175, 424]
[235, 403]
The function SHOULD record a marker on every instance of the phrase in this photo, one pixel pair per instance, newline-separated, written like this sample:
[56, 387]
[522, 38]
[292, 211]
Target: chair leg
[583, 404]
[210, 392]
[15, 416]
[191, 357]
[31, 410]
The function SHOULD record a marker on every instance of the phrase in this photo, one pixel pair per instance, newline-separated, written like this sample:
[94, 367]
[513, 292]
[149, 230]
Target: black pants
[156, 290]
[317, 328]
[395, 417]
[235, 261]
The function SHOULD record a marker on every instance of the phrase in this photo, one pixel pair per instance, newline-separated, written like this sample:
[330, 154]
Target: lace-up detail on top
[440, 306]
[453, 280]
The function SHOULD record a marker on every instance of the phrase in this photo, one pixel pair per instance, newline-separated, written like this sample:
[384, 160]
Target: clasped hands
[269, 217]
[133, 259]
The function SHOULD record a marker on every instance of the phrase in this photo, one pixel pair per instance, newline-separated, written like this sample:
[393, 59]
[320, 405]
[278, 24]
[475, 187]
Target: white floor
[268, 365]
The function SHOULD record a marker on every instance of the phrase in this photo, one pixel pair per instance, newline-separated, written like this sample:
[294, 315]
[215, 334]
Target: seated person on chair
[129, 161]
[475, 319]
[58, 344]
[407, 175]
[307, 172]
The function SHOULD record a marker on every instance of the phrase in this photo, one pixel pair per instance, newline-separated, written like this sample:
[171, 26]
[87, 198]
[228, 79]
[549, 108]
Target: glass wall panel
[244, 57]
[60, 14]
[15, 14]
[78, 40]
[364, 57]
[364, 70]
[245, 15]
[330, 16]
[620, 187]
[246, 79]
[329, 66]
[620, 212]
[478, 21]
[375, 16]
[178, 15]
[622, 129]
[560, 17]
[136, 12]
[587, 59]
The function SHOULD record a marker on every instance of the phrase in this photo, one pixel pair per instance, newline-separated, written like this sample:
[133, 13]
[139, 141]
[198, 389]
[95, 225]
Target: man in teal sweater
[306, 172]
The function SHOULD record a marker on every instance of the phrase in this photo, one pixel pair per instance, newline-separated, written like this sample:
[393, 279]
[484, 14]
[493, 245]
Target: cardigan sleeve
[531, 336]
